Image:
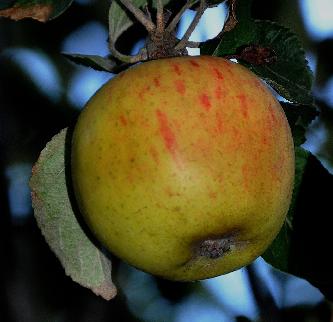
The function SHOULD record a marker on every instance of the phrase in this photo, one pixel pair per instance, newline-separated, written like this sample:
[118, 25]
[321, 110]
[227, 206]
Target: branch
[173, 24]
[160, 17]
[193, 44]
[183, 42]
[139, 15]
[141, 56]
[231, 21]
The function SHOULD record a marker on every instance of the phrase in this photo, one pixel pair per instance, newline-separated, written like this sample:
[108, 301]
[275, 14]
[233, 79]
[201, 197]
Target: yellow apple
[183, 167]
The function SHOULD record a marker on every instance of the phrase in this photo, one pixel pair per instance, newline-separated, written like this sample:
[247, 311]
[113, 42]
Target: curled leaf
[41, 10]
[54, 211]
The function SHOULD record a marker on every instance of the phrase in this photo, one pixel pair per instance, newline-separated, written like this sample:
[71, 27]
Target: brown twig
[231, 21]
[183, 42]
[141, 56]
[161, 40]
[160, 17]
[139, 15]
[173, 24]
[193, 44]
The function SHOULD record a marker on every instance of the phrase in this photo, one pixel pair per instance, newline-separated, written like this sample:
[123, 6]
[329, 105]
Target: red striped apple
[184, 167]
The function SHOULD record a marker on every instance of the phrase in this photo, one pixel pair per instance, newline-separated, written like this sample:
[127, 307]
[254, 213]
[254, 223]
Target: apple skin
[184, 167]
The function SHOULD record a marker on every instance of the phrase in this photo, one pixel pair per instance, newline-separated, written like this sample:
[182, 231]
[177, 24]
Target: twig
[231, 21]
[139, 15]
[141, 56]
[193, 44]
[147, 12]
[183, 42]
[173, 24]
[159, 17]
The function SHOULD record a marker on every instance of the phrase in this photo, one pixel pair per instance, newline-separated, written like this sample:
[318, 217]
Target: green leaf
[120, 19]
[54, 212]
[279, 252]
[290, 75]
[243, 33]
[94, 61]
[41, 10]
[299, 118]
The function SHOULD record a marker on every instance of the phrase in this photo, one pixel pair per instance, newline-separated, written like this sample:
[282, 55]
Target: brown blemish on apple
[194, 63]
[153, 152]
[157, 82]
[246, 176]
[123, 120]
[218, 74]
[243, 104]
[143, 92]
[218, 92]
[259, 85]
[176, 69]
[205, 102]
[272, 114]
[180, 87]
[171, 193]
[212, 195]
[219, 122]
[166, 132]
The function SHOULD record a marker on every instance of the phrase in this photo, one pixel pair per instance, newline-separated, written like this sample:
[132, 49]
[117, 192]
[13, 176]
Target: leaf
[243, 33]
[41, 10]
[54, 212]
[94, 61]
[290, 75]
[299, 118]
[120, 19]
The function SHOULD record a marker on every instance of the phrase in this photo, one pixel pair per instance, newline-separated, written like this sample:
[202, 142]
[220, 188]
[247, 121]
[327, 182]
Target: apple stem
[139, 15]
[231, 21]
[173, 24]
[160, 17]
[162, 41]
[215, 248]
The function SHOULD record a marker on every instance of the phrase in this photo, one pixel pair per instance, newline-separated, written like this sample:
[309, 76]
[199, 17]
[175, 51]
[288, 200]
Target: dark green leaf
[54, 213]
[299, 118]
[41, 10]
[243, 33]
[93, 61]
[290, 75]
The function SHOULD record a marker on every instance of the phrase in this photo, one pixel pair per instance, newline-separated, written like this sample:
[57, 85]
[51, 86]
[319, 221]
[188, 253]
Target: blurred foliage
[34, 286]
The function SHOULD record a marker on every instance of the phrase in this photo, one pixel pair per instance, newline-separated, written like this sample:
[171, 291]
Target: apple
[183, 167]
